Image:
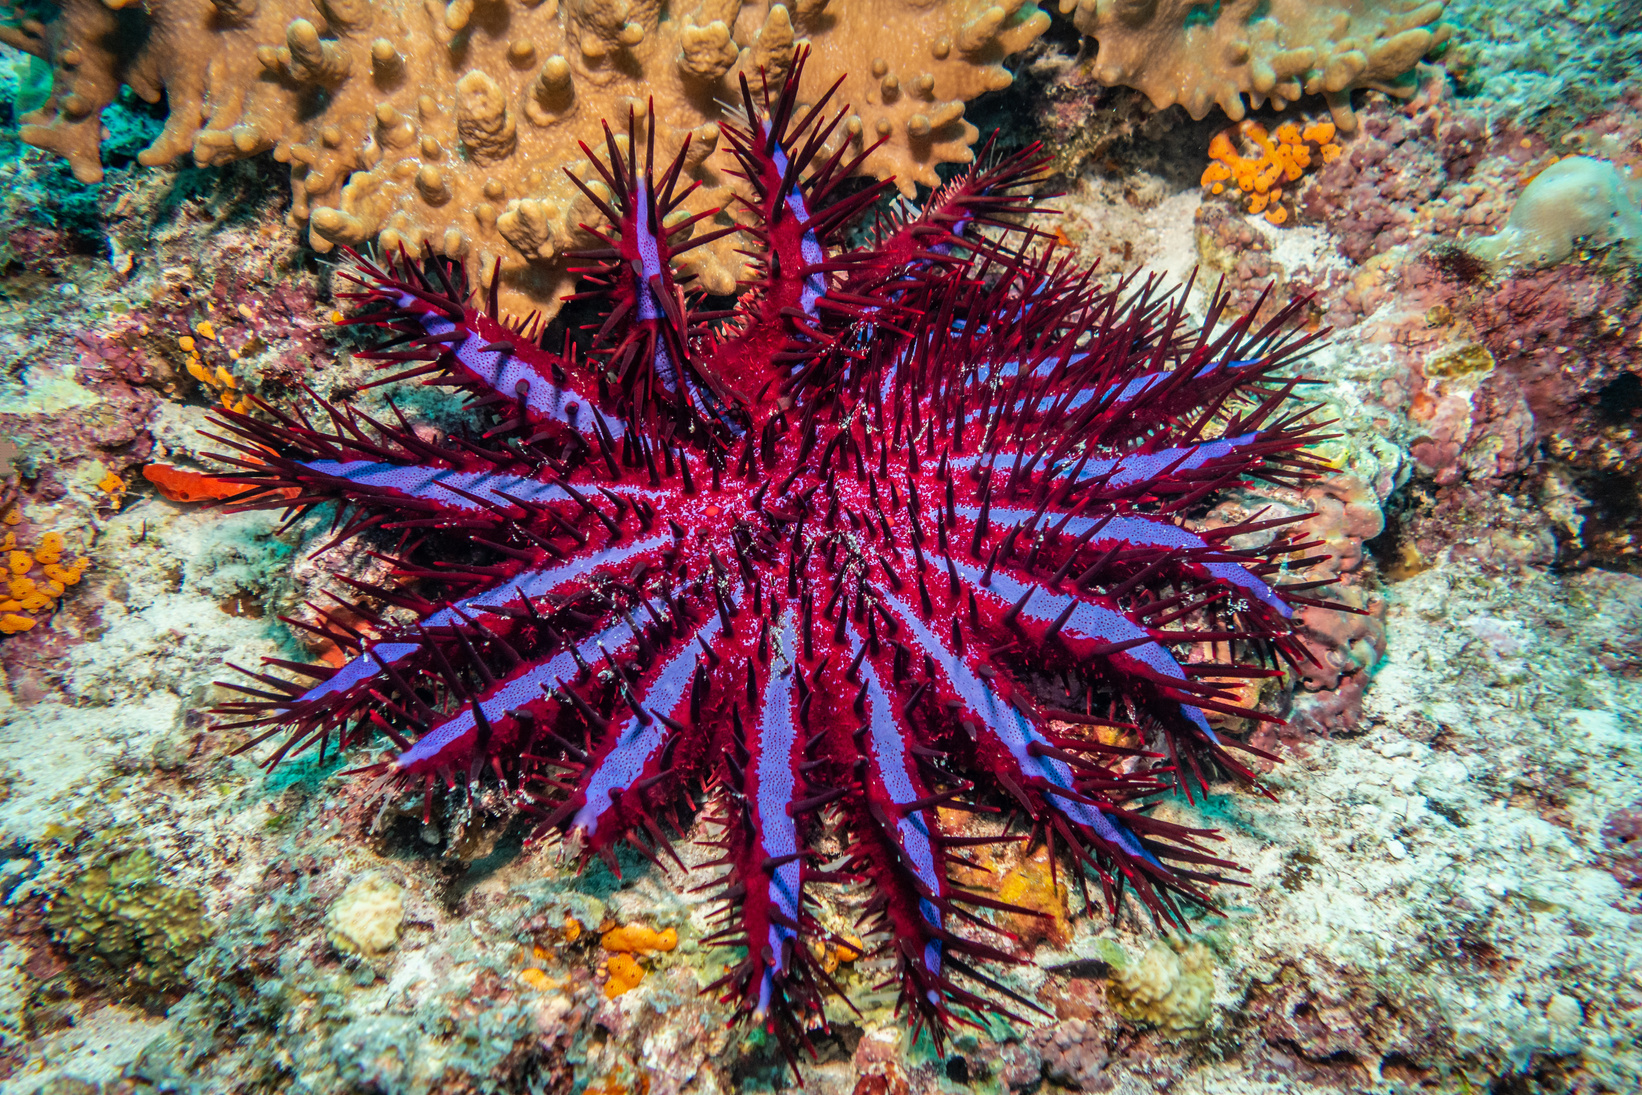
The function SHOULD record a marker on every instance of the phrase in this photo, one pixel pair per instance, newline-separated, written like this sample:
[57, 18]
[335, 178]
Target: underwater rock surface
[1444, 896]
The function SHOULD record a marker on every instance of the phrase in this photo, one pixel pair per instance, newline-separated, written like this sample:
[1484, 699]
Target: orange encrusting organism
[219, 380]
[622, 969]
[29, 594]
[182, 485]
[1283, 158]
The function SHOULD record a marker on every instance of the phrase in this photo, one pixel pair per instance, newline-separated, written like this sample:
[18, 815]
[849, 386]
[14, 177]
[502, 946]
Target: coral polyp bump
[810, 564]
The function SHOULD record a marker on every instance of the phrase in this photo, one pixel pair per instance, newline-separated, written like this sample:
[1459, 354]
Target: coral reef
[1443, 897]
[453, 124]
[1345, 646]
[1622, 835]
[1170, 986]
[1547, 72]
[1245, 53]
[1488, 368]
[1072, 1053]
[365, 920]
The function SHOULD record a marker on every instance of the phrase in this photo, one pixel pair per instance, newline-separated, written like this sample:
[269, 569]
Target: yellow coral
[846, 948]
[1035, 886]
[539, 980]
[219, 381]
[622, 943]
[1201, 55]
[50, 548]
[1170, 986]
[1283, 157]
[69, 575]
[366, 918]
[452, 124]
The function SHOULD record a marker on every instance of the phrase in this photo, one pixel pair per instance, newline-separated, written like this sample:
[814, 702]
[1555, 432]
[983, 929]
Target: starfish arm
[765, 848]
[645, 339]
[501, 720]
[446, 337]
[659, 739]
[1022, 759]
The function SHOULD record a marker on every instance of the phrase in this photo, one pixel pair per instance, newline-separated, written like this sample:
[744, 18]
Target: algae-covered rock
[124, 925]
[1170, 986]
[365, 919]
[1576, 198]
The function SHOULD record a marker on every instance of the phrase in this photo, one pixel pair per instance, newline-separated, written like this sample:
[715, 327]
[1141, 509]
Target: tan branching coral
[453, 123]
[1203, 53]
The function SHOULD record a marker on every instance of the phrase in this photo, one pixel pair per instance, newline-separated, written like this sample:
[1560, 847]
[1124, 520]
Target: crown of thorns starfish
[820, 559]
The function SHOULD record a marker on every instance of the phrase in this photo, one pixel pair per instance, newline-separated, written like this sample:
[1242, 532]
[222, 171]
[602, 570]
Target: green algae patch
[124, 926]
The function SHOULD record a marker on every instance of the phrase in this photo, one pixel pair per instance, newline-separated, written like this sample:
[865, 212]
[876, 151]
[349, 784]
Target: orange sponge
[1282, 157]
[26, 593]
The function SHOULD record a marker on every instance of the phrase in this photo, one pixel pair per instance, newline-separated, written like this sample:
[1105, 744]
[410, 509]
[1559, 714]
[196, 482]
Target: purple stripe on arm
[773, 741]
[361, 669]
[1138, 467]
[1146, 532]
[1127, 471]
[893, 767]
[503, 372]
[533, 583]
[637, 744]
[815, 286]
[1094, 622]
[511, 694]
[1140, 385]
[417, 481]
[538, 583]
[649, 257]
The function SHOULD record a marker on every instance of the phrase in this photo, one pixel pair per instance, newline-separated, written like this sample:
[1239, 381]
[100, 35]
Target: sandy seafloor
[1443, 897]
